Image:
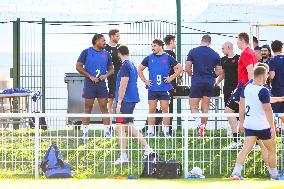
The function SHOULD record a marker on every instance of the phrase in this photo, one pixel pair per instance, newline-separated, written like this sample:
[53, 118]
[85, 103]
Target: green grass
[141, 183]
[95, 160]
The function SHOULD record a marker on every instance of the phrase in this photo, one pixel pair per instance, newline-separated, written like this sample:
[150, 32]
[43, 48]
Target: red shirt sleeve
[248, 59]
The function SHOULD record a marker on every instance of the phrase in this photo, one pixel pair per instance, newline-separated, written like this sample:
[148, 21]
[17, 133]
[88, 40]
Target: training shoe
[121, 160]
[148, 151]
[236, 177]
[167, 135]
[85, 136]
[200, 131]
[107, 134]
[234, 145]
[279, 177]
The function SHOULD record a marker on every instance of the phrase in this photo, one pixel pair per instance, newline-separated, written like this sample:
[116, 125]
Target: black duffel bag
[168, 169]
[181, 90]
[217, 90]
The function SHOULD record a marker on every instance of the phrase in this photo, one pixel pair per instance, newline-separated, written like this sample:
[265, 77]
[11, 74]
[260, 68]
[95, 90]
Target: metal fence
[45, 50]
[22, 150]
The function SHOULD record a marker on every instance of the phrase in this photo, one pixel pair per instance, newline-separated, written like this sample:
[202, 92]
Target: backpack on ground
[53, 165]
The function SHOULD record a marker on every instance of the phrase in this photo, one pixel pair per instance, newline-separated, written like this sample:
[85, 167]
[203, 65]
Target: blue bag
[53, 165]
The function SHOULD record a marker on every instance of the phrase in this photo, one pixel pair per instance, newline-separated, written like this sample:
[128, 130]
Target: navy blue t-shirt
[95, 62]
[129, 70]
[276, 64]
[204, 60]
[159, 67]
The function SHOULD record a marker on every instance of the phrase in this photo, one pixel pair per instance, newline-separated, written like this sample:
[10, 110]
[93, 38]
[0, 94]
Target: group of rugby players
[248, 87]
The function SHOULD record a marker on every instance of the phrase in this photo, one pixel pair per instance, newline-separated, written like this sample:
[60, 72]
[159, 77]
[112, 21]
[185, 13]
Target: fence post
[43, 65]
[185, 168]
[36, 146]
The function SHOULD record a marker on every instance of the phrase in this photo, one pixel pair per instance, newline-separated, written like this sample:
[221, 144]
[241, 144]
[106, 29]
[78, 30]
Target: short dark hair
[259, 70]
[263, 65]
[123, 50]
[112, 32]
[255, 39]
[158, 42]
[206, 38]
[168, 39]
[244, 36]
[276, 46]
[96, 37]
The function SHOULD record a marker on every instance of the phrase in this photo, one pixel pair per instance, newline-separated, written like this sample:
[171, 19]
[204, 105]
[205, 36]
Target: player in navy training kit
[159, 84]
[126, 97]
[276, 74]
[96, 65]
[206, 66]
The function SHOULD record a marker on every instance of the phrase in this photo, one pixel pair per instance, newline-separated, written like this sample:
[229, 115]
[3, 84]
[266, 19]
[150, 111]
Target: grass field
[142, 183]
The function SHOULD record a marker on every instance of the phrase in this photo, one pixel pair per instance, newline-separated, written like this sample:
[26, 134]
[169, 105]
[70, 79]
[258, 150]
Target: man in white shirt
[256, 118]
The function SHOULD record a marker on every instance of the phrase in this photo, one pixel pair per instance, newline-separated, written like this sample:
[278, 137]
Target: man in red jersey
[245, 73]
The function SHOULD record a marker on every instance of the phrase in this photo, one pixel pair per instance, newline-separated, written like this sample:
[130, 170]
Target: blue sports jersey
[159, 67]
[95, 62]
[128, 70]
[204, 60]
[276, 64]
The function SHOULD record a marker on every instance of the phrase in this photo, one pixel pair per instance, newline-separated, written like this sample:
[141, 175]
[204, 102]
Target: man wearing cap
[265, 54]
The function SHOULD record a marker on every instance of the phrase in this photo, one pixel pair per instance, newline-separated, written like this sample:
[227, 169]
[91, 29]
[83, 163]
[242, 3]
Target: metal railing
[21, 150]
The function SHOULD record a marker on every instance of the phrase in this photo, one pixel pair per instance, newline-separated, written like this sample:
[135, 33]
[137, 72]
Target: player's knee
[152, 110]
[228, 110]
[88, 109]
[165, 109]
[204, 109]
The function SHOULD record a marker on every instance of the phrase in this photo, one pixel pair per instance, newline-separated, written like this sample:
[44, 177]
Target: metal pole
[43, 65]
[186, 147]
[15, 71]
[36, 146]
[178, 50]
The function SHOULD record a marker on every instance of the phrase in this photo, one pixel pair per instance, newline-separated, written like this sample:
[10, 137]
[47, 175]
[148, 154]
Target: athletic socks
[150, 129]
[238, 169]
[197, 121]
[85, 128]
[166, 129]
[106, 128]
[273, 172]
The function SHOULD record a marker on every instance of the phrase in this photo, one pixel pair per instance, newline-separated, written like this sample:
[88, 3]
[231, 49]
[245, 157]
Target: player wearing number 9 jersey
[159, 84]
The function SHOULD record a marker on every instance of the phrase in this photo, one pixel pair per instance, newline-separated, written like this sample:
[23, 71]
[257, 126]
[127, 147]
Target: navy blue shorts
[278, 107]
[126, 108]
[198, 90]
[92, 91]
[159, 95]
[264, 134]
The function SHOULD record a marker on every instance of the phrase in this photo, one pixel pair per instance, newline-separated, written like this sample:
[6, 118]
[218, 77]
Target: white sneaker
[148, 151]
[234, 145]
[121, 160]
